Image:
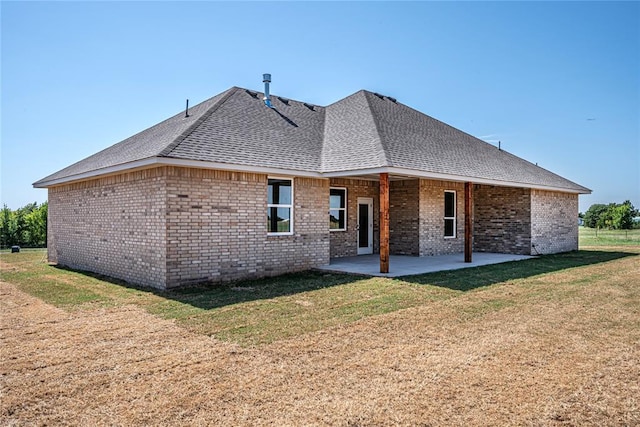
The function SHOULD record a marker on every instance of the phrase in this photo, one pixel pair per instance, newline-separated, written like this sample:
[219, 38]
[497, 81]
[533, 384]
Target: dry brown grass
[552, 350]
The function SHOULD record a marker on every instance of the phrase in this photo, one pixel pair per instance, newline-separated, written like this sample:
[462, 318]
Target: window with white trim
[449, 214]
[337, 209]
[280, 206]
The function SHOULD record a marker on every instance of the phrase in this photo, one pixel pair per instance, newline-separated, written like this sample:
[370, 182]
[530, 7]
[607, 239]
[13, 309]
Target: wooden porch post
[384, 223]
[468, 221]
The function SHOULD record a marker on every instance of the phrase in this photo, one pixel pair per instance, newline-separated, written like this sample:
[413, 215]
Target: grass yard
[595, 237]
[548, 341]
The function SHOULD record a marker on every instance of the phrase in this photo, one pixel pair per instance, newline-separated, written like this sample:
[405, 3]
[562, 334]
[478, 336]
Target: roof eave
[168, 161]
[404, 172]
[412, 173]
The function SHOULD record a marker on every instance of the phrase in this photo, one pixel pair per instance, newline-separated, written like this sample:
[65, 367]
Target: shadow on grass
[477, 277]
[215, 295]
[219, 295]
[210, 296]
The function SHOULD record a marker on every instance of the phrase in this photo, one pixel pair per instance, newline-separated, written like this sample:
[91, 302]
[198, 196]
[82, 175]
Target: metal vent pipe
[266, 79]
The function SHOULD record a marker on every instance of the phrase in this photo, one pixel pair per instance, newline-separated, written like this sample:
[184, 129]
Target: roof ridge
[172, 146]
[323, 140]
[375, 123]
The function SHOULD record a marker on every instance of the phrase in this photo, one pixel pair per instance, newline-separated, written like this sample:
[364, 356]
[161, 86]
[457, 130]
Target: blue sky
[558, 83]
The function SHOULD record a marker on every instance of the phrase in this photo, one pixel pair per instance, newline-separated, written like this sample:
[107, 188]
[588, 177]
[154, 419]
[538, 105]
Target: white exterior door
[365, 225]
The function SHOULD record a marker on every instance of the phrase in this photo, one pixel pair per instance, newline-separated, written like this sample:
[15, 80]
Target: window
[449, 214]
[337, 209]
[280, 206]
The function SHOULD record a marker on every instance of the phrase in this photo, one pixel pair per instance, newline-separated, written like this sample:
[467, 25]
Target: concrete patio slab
[400, 265]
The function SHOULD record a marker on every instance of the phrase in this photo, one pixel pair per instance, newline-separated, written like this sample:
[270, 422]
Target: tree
[22, 231]
[36, 221]
[622, 216]
[593, 214]
[7, 227]
[614, 216]
[26, 226]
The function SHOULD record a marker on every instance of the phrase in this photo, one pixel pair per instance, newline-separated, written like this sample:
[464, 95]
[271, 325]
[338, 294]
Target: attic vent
[378, 95]
[283, 100]
[310, 107]
[252, 94]
[392, 99]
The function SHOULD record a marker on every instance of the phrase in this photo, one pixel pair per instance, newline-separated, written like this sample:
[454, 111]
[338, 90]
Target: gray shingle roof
[243, 131]
[362, 131]
[416, 141]
[351, 138]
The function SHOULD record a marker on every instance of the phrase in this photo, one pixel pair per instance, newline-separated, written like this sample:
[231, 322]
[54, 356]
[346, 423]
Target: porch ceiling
[376, 177]
[399, 174]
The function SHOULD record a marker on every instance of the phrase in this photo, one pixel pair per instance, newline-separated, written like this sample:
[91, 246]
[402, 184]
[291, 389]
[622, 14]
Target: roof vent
[266, 79]
[395, 101]
[283, 100]
[310, 106]
[378, 95]
[252, 94]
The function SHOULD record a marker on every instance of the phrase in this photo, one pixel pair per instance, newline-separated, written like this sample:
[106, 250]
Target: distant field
[603, 237]
[548, 341]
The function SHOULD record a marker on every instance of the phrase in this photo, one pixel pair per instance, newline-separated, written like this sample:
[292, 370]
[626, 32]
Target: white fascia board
[125, 167]
[238, 168]
[164, 161]
[448, 177]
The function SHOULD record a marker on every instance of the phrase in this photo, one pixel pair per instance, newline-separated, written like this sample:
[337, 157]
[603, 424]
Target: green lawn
[262, 311]
[603, 237]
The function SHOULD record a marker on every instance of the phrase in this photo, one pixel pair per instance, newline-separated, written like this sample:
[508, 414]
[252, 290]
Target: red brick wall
[404, 217]
[502, 220]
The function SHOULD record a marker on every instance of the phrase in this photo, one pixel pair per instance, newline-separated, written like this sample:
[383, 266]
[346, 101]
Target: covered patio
[369, 265]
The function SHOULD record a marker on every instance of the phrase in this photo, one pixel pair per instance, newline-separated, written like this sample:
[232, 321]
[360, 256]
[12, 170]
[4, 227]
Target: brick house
[248, 185]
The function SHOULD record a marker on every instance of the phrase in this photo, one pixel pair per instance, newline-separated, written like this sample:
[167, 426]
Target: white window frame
[290, 206]
[339, 209]
[453, 218]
